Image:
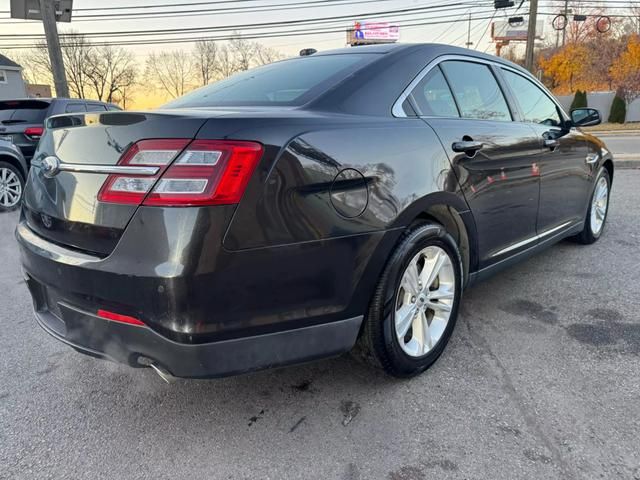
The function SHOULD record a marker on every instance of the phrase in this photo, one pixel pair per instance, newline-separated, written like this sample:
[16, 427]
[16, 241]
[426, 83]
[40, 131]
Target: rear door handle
[467, 146]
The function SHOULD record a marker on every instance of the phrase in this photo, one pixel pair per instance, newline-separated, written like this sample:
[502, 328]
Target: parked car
[22, 120]
[13, 174]
[293, 211]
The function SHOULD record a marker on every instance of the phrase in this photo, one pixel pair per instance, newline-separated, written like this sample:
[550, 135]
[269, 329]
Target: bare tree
[109, 71]
[244, 52]
[265, 55]
[205, 57]
[226, 64]
[171, 71]
[76, 51]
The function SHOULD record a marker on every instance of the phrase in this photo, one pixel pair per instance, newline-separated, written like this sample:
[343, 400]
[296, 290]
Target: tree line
[111, 73]
[591, 60]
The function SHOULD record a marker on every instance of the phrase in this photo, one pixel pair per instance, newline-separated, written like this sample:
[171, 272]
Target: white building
[11, 82]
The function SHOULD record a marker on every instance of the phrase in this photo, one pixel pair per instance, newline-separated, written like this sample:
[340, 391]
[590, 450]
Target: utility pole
[48, 12]
[469, 42]
[566, 21]
[531, 35]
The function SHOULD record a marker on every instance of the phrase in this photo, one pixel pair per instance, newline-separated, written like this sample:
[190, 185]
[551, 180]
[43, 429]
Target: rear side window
[94, 107]
[433, 97]
[15, 112]
[75, 107]
[290, 82]
[476, 91]
[535, 105]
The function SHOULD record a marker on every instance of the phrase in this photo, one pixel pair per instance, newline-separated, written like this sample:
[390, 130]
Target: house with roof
[11, 82]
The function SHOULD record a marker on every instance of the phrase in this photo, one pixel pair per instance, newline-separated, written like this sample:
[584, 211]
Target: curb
[614, 133]
[626, 164]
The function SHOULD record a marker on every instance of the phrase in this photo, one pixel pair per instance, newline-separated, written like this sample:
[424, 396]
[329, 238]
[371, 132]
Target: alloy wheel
[10, 188]
[424, 301]
[599, 205]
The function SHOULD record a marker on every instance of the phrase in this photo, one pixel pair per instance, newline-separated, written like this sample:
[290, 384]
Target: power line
[218, 11]
[399, 12]
[247, 37]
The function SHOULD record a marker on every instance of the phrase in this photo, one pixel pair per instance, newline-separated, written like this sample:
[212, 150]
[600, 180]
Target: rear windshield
[12, 112]
[290, 82]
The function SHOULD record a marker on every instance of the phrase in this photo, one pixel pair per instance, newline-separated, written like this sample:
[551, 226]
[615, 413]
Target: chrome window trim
[398, 112]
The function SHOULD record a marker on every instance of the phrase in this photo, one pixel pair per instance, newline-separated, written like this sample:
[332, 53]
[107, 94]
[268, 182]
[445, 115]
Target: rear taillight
[131, 189]
[207, 172]
[34, 133]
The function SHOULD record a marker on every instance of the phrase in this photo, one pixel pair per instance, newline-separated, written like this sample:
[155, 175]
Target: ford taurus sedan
[301, 209]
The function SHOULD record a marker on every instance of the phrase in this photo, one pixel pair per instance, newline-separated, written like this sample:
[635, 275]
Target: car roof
[377, 85]
[57, 99]
[432, 49]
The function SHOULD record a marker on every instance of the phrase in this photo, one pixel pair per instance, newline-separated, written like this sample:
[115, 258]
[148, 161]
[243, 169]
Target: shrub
[618, 110]
[579, 100]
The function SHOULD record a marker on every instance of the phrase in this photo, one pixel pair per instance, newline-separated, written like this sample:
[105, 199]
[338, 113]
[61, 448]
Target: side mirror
[585, 117]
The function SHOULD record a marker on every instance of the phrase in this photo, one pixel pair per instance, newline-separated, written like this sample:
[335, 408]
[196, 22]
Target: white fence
[602, 101]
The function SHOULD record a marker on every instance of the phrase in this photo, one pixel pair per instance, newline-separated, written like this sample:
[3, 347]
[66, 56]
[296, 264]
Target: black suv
[22, 120]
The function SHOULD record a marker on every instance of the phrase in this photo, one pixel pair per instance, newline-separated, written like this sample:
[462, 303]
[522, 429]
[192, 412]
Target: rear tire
[11, 187]
[409, 323]
[596, 218]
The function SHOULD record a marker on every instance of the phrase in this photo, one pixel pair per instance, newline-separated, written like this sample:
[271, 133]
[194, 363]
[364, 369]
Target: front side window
[476, 91]
[535, 105]
[433, 97]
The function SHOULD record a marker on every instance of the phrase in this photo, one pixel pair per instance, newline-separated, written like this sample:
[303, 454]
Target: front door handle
[467, 146]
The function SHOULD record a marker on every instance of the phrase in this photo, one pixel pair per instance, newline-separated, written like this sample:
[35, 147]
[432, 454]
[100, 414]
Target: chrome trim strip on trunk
[531, 239]
[108, 169]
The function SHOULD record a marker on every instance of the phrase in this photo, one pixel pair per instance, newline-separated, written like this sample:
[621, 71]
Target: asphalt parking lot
[540, 381]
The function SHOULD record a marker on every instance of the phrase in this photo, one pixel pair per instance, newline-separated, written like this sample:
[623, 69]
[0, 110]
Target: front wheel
[415, 304]
[598, 210]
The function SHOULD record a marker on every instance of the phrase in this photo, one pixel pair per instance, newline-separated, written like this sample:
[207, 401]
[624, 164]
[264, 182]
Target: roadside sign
[506, 31]
[30, 10]
[368, 32]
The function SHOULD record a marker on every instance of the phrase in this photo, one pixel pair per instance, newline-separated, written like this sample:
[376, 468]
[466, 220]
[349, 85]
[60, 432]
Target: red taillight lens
[208, 172]
[34, 131]
[116, 317]
[131, 189]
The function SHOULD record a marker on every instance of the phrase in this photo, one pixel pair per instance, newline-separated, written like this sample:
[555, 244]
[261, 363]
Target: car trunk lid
[64, 208]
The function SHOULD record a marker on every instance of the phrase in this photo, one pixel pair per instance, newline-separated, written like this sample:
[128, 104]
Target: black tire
[587, 236]
[16, 171]
[378, 344]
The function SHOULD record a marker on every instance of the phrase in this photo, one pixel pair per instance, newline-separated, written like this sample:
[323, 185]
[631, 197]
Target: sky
[454, 14]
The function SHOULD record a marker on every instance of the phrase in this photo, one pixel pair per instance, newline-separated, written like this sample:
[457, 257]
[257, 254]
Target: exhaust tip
[162, 373]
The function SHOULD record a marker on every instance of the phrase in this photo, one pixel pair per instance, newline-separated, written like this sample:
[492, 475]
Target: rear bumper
[208, 311]
[139, 346]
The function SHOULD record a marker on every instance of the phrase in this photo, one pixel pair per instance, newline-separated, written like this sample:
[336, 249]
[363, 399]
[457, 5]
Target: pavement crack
[480, 344]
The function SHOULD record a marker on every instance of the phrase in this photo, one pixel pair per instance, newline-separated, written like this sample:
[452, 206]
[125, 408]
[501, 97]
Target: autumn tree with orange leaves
[625, 70]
